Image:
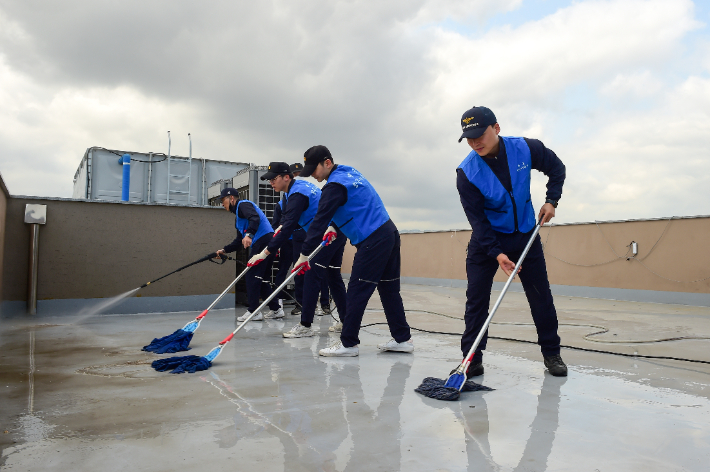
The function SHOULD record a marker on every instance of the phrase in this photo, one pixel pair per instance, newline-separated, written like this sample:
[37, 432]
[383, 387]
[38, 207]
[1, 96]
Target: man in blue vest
[299, 235]
[253, 232]
[350, 202]
[301, 205]
[285, 253]
[494, 185]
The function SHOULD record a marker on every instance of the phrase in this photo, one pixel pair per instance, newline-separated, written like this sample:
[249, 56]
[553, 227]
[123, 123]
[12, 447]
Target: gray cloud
[381, 83]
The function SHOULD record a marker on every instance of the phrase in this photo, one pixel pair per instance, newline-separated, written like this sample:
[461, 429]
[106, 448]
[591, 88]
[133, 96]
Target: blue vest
[364, 211]
[502, 208]
[313, 194]
[242, 223]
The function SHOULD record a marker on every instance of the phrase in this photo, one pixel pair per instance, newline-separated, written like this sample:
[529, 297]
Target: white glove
[329, 235]
[301, 265]
[257, 259]
[278, 230]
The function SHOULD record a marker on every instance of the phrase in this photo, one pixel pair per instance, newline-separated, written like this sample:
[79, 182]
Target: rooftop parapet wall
[101, 249]
[4, 196]
[673, 255]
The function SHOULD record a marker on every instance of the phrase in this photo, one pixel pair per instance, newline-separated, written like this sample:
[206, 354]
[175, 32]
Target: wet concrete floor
[80, 394]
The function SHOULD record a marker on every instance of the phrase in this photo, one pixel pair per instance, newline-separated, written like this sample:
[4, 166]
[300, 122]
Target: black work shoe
[296, 311]
[555, 365]
[474, 370]
[326, 309]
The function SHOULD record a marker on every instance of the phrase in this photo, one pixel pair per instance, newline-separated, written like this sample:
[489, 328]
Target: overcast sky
[620, 90]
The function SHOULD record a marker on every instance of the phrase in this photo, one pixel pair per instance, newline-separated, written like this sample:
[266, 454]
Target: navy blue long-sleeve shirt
[249, 212]
[472, 200]
[276, 219]
[333, 196]
[294, 208]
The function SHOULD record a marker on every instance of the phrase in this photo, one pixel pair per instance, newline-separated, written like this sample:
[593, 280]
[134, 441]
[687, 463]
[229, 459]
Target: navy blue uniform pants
[324, 291]
[480, 269]
[376, 266]
[299, 236]
[325, 267]
[257, 278]
[285, 260]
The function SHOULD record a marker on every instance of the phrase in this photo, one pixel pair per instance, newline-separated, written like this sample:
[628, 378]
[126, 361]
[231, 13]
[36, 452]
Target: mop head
[178, 341]
[436, 388]
[180, 365]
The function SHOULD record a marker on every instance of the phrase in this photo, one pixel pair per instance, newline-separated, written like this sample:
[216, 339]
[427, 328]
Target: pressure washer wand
[208, 257]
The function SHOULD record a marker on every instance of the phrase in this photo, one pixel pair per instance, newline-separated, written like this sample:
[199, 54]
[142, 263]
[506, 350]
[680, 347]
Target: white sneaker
[272, 315]
[392, 345]
[336, 328]
[338, 350]
[299, 331]
[319, 311]
[246, 315]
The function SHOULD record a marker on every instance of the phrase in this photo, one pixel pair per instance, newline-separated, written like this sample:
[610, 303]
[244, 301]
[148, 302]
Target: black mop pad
[434, 388]
[179, 365]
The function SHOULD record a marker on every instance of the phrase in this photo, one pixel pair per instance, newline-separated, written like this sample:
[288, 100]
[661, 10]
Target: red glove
[257, 259]
[301, 265]
[329, 235]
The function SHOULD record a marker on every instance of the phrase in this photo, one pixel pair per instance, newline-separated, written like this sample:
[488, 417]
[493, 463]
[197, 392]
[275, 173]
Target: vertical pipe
[150, 173]
[126, 177]
[34, 266]
[167, 193]
[202, 198]
[189, 172]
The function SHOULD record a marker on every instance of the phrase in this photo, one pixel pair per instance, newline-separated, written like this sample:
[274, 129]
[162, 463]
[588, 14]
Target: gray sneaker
[338, 350]
[246, 315]
[336, 328]
[392, 345]
[272, 315]
[299, 331]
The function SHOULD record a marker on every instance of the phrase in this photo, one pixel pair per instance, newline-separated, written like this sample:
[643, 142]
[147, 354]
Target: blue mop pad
[180, 365]
[178, 341]
[435, 388]
[189, 364]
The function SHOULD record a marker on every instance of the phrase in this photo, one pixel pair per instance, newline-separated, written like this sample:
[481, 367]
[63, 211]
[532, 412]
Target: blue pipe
[126, 177]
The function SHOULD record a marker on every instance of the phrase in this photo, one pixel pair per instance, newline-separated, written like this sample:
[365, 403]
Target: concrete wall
[583, 255]
[4, 196]
[101, 249]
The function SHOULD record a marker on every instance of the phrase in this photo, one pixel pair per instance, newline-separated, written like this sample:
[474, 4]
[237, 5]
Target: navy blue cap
[475, 122]
[227, 192]
[312, 157]
[276, 169]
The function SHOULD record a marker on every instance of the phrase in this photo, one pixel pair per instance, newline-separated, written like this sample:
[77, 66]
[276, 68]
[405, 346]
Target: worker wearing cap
[494, 185]
[302, 199]
[350, 202]
[285, 252]
[299, 235]
[298, 282]
[253, 232]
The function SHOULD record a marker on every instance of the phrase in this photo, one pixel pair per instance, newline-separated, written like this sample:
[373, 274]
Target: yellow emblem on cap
[467, 120]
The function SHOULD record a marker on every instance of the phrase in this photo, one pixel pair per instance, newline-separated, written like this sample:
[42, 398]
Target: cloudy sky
[620, 90]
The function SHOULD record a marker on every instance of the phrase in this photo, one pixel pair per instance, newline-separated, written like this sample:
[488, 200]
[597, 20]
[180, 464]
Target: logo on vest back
[522, 166]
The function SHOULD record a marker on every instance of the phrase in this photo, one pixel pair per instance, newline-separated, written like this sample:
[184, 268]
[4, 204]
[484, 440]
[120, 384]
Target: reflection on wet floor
[87, 399]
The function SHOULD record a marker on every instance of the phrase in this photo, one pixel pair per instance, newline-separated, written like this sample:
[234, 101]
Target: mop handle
[471, 352]
[234, 282]
[273, 294]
